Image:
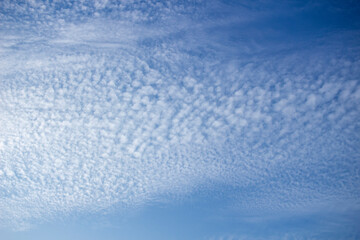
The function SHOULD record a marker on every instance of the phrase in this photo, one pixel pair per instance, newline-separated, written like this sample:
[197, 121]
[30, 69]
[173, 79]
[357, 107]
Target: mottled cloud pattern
[100, 108]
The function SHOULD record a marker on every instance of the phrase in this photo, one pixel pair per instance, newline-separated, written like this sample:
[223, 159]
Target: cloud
[99, 112]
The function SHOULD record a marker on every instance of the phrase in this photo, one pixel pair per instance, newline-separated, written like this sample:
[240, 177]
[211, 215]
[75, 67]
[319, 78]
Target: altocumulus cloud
[105, 103]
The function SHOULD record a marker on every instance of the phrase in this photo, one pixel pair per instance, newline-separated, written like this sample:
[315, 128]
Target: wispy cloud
[99, 112]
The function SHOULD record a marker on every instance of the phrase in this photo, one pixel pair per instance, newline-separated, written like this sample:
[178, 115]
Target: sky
[213, 120]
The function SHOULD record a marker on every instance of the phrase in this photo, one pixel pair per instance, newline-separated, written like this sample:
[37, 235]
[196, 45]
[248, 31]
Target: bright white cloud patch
[98, 112]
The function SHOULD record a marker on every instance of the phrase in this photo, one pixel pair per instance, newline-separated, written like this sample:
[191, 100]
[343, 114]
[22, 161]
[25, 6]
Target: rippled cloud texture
[109, 105]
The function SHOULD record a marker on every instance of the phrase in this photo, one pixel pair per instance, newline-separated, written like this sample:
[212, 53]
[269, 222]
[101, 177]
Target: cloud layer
[103, 105]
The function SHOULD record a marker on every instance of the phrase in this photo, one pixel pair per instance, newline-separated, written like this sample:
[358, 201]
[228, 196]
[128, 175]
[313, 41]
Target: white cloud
[90, 116]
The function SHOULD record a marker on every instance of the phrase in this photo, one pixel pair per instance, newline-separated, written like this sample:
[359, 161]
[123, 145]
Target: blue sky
[179, 119]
